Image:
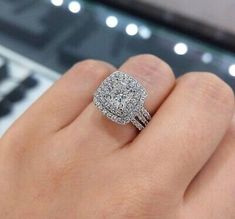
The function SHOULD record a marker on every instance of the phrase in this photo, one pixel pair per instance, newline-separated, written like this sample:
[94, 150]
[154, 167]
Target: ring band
[142, 119]
[120, 97]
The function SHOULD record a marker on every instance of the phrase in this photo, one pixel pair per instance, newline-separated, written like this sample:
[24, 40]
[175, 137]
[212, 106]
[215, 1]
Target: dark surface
[32, 21]
[5, 108]
[29, 83]
[3, 69]
[57, 38]
[16, 95]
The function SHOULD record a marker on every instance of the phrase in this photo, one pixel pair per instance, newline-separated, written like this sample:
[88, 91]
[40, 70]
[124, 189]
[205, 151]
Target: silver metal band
[142, 119]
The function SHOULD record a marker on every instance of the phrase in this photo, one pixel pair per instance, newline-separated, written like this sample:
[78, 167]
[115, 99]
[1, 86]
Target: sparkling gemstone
[119, 96]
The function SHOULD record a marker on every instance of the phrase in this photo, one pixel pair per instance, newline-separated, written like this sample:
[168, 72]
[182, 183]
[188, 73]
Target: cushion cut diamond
[120, 97]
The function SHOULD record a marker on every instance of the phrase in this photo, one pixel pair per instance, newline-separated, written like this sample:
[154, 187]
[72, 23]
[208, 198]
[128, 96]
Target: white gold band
[142, 119]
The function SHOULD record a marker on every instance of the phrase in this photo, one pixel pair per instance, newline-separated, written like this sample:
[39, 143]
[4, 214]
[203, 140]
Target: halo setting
[121, 98]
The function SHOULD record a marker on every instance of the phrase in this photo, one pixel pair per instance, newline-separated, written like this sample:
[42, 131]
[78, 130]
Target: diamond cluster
[120, 97]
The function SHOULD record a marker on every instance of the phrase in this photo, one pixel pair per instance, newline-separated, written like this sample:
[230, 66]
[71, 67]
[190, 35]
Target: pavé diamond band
[121, 98]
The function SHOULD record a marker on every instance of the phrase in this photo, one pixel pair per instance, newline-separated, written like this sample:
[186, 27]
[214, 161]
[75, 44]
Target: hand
[64, 159]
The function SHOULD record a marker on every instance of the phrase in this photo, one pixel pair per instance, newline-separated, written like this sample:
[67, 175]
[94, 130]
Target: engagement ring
[121, 98]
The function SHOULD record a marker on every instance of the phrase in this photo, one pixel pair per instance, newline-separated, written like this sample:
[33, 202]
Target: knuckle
[89, 63]
[149, 67]
[210, 87]
[93, 69]
[152, 63]
[143, 57]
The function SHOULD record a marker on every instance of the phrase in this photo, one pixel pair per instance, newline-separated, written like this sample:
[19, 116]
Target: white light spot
[145, 32]
[57, 2]
[111, 21]
[131, 29]
[231, 70]
[207, 57]
[74, 7]
[181, 48]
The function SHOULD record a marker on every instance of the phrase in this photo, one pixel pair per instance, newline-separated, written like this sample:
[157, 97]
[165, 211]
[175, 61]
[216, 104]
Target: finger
[158, 79]
[187, 128]
[214, 186]
[64, 101]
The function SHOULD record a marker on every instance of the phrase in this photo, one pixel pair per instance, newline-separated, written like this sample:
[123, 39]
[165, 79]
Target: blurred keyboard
[39, 39]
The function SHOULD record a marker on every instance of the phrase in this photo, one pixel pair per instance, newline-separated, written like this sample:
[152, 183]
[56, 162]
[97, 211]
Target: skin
[64, 159]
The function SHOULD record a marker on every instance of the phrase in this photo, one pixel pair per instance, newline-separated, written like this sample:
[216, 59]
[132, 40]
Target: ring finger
[157, 78]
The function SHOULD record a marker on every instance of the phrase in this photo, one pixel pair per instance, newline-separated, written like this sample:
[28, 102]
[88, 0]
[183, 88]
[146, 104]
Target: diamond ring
[121, 98]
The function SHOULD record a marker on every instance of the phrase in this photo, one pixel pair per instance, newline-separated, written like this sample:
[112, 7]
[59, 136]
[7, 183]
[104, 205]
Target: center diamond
[121, 99]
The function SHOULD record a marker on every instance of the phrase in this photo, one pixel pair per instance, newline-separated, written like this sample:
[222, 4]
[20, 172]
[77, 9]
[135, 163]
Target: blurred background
[213, 12]
[40, 39]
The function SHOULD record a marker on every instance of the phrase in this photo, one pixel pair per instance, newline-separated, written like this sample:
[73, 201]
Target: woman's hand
[64, 159]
